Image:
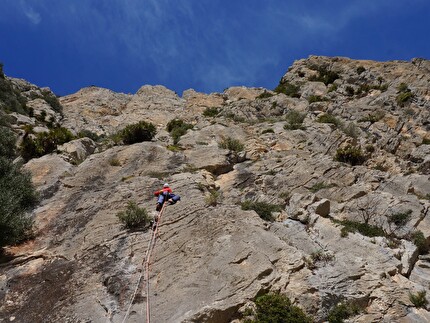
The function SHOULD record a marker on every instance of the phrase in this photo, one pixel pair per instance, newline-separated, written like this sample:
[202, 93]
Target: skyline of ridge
[207, 46]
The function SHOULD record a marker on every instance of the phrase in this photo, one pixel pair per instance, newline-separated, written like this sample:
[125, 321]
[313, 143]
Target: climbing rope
[145, 263]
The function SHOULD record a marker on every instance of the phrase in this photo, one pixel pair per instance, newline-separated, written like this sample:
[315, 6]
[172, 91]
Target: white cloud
[33, 16]
[30, 13]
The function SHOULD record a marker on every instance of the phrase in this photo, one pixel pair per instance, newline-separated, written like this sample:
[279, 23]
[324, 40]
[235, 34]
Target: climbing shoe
[158, 207]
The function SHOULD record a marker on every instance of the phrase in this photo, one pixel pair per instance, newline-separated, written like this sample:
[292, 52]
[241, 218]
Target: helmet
[166, 185]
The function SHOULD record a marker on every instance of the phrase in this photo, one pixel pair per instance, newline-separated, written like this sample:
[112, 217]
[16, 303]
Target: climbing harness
[145, 263]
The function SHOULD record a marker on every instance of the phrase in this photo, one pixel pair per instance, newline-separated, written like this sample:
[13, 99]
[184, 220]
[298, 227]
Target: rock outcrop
[350, 185]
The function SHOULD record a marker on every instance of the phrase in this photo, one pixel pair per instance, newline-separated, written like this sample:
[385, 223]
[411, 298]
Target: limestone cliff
[340, 142]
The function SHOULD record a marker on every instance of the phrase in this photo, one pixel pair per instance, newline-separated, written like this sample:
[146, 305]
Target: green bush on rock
[44, 143]
[134, 217]
[350, 154]
[17, 194]
[231, 144]
[277, 308]
[263, 209]
[138, 132]
[177, 128]
[294, 120]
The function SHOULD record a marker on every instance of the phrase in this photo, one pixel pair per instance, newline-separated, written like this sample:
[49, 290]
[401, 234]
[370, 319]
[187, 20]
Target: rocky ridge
[213, 259]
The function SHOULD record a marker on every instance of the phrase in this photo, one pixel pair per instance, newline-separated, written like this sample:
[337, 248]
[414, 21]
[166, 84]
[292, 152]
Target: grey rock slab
[420, 273]
[47, 173]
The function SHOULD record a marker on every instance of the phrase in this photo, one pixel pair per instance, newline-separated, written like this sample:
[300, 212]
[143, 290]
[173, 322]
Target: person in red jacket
[165, 194]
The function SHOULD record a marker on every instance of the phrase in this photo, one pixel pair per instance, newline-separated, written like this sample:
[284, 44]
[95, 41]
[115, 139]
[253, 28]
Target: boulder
[321, 207]
[76, 151]
[47, 173]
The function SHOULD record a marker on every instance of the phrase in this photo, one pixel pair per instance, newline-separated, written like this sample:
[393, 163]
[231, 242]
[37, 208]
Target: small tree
[17, 196]
[7, 142]
[44, 142]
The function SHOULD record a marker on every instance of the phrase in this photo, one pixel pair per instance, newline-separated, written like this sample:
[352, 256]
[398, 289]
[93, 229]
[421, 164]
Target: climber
[165, 194]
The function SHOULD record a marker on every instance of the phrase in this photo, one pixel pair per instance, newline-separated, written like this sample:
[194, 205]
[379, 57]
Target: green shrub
[373, 117]
[211, 112]
[349, 90]
[5, 119]
[419, 299]
[363, 228]
[332, 88]
[11, 99]
[324, 75]
[352, 155]
[351, 130]
[403, 98]
[7, 142]
[360, 70]
[174, 148]
[319, 186]
[114, 162]
[316, 98]
[383, 87]
[365, 88]
[263, 209]
[343, 311]
[134, 216]
[403, 87]
[320, 255]
[213, 197]
[369, 148]
[52, 100]
[269, 130]
[138, 132]
[88, 134]
[231, 144]
[277, 308]
[265, 95]
[288, 89]
[400, 219]
[329, 118]
[426, 141]
[404, 94]
[17, 196]
[177, 128]
[294, 120]
[420, 241]
[44, 142]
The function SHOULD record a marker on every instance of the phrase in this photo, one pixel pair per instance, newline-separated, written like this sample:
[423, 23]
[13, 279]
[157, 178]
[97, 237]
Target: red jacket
[164, 190]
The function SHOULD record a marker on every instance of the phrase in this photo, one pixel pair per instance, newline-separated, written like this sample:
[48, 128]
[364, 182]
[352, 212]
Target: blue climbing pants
[162, 198]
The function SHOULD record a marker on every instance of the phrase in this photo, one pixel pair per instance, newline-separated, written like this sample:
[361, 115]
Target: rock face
[350, 188]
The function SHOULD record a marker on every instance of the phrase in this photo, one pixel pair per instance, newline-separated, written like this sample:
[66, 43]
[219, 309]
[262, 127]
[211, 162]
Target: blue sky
[207, 45]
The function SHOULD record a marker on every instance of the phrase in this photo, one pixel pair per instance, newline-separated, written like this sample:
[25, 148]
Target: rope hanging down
[146, 262]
